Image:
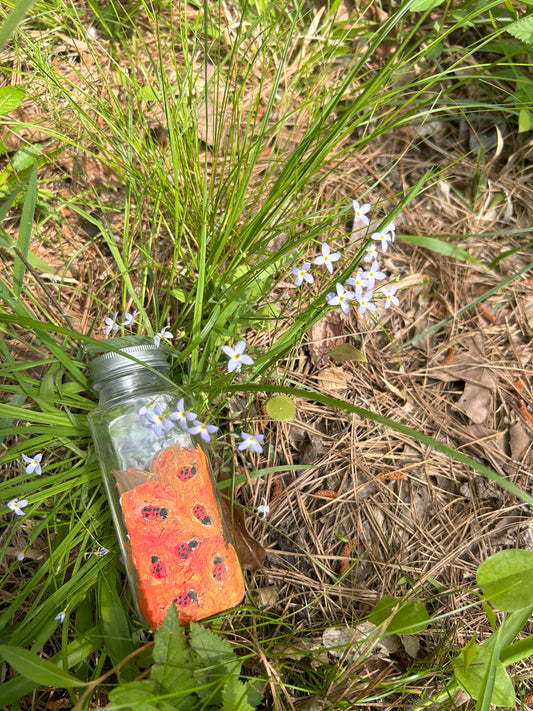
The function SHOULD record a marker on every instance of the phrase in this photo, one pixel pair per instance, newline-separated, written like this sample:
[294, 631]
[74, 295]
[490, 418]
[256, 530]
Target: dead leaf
[324, 335]
[359, 640]
[519, 441]
[251, 552]
[474, 402]
[333, 379]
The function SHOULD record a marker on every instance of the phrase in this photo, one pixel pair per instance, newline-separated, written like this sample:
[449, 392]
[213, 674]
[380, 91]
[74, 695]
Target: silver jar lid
[112, 365]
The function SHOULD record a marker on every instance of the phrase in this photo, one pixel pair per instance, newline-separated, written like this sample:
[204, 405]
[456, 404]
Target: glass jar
[175, 542]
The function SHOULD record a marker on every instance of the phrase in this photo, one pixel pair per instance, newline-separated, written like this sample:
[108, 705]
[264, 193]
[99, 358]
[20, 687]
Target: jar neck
[131, 383]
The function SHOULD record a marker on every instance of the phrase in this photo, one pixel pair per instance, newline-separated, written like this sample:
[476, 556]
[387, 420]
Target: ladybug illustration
[184, 550]
[185, 598]
[154, 512]
[200, 512]
[157, 568]
[219, 569]
[186, 473]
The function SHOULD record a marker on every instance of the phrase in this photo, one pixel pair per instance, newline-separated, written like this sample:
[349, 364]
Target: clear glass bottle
[174, 539]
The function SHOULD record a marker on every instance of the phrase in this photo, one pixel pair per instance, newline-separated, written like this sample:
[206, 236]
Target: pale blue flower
[60, 617]
[164, 333]
[263, 508]
[237, 356]
[327, 257]
[129, 318]
[20, 557]
[386, 235]
[302, 273]
[358, 281]
[251, 441]
[371, 253]
[159, 422]
[16, 505]
[341, 298]
[365, 302]
[181, 415]
[390, 297]
[205, 431]
[373, 273]
[111, 324]
[34, 463]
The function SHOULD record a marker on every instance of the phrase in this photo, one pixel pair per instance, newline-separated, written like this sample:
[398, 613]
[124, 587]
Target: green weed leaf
[281, 408]
[172, 668]
[235, 696]
[10, 98]
[140, 696]
[215, 651]
[525, 120]
[410, 617]
[345, 351]
[37, 669]
[506, 579]
[522, 29]
[471, 676]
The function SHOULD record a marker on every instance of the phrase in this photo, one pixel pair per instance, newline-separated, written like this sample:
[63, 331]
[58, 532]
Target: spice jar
[175, 542]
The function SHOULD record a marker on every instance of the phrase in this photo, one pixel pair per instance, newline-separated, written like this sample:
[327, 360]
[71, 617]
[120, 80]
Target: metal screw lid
[111, 365]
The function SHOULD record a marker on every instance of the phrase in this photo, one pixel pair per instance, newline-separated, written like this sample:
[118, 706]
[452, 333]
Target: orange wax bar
[176, 540]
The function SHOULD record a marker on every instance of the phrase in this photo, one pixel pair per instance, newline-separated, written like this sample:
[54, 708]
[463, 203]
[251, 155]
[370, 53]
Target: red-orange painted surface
[176, 540]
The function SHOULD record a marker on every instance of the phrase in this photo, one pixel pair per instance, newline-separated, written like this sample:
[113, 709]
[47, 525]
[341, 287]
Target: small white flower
[365, 302]
[360, 212]
[341, 298]
[390, 297]
[17, 506]
[34, 463]
[327, 257]
[237, 356]
[373, 273]
[111, 324]
[371, 253]
[251, 441]
[165, 333]
[302, 273]
[20, 557]
[263, 508]
[385, 236]
[60, 616]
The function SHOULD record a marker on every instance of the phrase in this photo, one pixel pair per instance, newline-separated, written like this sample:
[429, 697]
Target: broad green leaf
[10, 98]
[139, 696]
[410, 617]
[345, 351]
[213, 649]
[423, 5]
[471, 677]
[114, 624]
[25, 157]
[522, 29]
[37, 669]
[525, 120]
[506, 579]
[172, 661]
[235, 696]
[281, 408]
